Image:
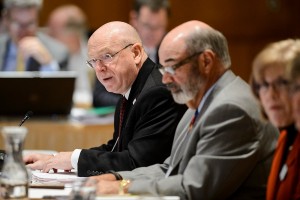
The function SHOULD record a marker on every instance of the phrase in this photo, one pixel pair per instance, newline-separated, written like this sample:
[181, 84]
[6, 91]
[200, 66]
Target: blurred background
[248, 24]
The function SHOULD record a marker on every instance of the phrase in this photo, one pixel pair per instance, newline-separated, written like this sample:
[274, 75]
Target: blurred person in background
[68, 24]
[284, 179]
[150, 19]
[24, 48]
[270, 85]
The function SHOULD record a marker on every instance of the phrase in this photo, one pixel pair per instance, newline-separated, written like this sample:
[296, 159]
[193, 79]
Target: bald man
[222, 148]
[146, 115]
[68, 24]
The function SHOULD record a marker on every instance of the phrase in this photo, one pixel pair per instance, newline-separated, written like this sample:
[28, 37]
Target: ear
[207, 59]
[137, 51]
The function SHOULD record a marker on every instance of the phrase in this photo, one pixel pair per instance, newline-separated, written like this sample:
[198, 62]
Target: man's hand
[107, 187]
[104, 177]
[32, 47]
[45, 162]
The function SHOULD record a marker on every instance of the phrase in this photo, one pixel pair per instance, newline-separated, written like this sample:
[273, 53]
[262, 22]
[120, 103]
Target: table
[37, 194]
[61, 134]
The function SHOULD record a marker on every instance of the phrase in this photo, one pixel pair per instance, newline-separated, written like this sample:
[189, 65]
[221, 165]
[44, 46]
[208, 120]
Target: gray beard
[189, 91]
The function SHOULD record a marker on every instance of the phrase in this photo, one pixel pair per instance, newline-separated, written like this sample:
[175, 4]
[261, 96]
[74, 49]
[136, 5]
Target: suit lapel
[137, 87]
[187, 151]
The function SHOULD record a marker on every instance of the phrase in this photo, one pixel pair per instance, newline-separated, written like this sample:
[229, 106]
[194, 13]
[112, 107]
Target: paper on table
[93, 116]
[61, 177]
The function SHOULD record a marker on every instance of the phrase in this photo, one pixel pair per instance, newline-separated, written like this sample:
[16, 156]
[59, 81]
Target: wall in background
[248, 24]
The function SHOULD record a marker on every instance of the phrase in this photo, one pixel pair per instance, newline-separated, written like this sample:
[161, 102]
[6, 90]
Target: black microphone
[27, 116]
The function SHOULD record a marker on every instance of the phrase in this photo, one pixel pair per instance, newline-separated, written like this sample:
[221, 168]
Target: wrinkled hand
[107, 187]
[45, 162]
[32, 47]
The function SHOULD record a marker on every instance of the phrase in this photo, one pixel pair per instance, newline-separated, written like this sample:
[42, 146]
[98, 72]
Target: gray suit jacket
[228, 155]
[59, 51]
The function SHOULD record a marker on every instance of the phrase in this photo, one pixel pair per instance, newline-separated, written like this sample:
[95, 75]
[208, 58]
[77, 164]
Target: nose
[167, 78]
[100, 66]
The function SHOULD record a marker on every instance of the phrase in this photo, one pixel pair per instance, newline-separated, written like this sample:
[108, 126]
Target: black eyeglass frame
[171, 69]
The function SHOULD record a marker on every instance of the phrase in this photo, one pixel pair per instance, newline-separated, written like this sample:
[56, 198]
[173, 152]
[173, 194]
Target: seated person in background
[269, 82]
[23, 48]
[150, 19]
[146, 116]
[284, 179]
[222, 147]
[68, 24]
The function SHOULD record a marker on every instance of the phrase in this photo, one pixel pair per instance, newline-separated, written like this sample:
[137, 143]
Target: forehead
[101, 44]
[171, 50]
[23, 13]
[273, 71]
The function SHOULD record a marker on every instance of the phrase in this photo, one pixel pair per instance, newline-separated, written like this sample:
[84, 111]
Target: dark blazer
[289, 187]
[150, 120]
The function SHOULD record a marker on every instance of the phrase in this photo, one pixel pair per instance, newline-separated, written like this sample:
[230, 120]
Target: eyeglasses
[28, 26]
[171, 69]
[104, 59]
[278, 85]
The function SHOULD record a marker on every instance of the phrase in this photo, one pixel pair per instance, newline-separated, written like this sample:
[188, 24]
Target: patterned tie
[193, 120]
[122, 111]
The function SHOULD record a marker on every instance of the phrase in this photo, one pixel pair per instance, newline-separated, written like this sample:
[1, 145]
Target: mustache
[171, 86]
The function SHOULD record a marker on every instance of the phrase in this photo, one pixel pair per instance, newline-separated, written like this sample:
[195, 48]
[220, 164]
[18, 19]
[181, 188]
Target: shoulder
[56, 48]
[51, 42]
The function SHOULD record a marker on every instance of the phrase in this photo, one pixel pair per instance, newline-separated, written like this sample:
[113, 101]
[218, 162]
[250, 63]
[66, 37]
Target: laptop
[43, 93]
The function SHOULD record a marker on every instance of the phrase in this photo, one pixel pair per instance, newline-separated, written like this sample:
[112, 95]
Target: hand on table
[47, 162]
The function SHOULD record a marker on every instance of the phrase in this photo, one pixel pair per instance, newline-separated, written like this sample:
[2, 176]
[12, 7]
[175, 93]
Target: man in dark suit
[144, 130]
[150, 19]
[24, 48]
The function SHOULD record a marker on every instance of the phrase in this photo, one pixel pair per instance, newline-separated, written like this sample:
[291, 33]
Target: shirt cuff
[52, 66]
[75, 158]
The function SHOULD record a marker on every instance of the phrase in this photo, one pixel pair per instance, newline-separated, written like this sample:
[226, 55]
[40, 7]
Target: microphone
[27, 116]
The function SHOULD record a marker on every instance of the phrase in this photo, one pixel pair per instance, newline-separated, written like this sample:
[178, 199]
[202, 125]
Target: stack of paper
[60, 177]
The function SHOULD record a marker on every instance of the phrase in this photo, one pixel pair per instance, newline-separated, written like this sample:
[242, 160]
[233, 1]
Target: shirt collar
[126, 95]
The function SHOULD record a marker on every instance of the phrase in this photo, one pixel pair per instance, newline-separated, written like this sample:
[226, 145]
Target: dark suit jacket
[150, 120]
[289, 187]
